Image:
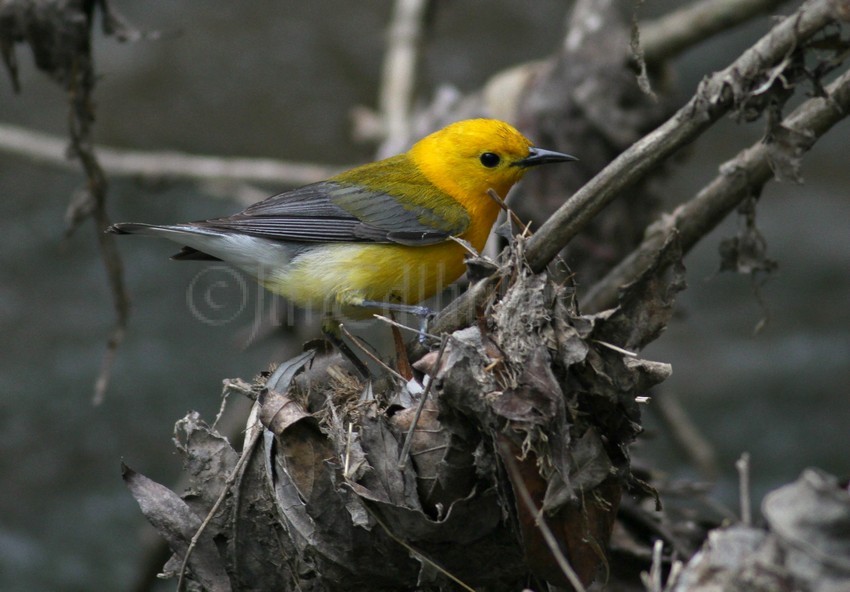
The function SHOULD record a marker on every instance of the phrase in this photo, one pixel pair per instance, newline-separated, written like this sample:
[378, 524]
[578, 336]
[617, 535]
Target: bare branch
[686, 434]
[399, 73]
[739, 178]
[116, 162]
[681, 29]
[715, 97]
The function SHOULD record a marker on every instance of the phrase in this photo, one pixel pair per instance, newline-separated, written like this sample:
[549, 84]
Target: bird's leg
[330, 329]
[423, 312]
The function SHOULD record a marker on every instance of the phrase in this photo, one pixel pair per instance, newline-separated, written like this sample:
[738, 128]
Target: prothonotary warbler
[378, 236]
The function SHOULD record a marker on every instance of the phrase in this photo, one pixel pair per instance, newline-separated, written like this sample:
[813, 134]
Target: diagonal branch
[739, 178]
[715, 97]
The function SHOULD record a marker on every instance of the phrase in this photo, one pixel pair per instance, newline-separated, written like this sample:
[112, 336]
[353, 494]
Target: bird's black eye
[490, 160]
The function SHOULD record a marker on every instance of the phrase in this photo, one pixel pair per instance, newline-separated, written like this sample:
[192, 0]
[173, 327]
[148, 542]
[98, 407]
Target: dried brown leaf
[746, 252]
[177, 524]
[785, 149]
[208, 459]
[646, 304]
[536, 397]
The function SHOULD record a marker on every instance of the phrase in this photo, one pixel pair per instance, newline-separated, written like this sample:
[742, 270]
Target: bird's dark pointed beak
[538, 156]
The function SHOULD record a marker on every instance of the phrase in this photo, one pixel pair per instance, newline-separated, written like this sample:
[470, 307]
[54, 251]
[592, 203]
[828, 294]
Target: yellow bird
[378, 236]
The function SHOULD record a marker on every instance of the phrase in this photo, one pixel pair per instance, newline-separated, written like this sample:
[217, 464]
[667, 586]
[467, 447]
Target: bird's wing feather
[343, 211]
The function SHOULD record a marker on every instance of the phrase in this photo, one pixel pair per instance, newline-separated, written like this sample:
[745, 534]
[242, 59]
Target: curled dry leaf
[646, 304]
[562, 401]
[208, 459]
[442, 458]
[785, 149]
[177, 523]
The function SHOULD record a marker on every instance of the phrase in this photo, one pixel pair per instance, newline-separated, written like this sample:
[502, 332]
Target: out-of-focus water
[278, 79]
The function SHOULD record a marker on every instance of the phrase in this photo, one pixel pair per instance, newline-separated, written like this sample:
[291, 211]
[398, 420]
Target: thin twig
[638, 54]
[657, 568]
[742, 465]
[348, 450]
[416, 553]
[616, 348]
[652, 581]
[408, 441]
[686, 434]
[225, 393]
[427, 450]
[633, 512]
[113, 342]
[548, 537]
[373, 357]
[516, 220]
[675, 571]
[405, 327]
[466, 246]
[253, 437]
[93, 203]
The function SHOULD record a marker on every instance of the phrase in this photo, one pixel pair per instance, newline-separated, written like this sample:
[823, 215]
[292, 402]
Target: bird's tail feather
[177, 233]
[211, 244]
[171, 231]
[131, 228]
[190, 254]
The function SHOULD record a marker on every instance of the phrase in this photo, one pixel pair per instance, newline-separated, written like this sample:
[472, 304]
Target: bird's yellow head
[467, 158]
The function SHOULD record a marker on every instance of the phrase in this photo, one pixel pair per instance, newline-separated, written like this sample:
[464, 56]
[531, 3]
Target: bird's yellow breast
[335, 276]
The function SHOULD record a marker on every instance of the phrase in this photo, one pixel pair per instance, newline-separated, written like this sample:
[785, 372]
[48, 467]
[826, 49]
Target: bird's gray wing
[332, 211]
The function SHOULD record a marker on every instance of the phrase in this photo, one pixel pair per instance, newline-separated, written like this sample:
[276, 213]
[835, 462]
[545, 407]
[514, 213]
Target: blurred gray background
[278, 79]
